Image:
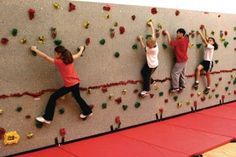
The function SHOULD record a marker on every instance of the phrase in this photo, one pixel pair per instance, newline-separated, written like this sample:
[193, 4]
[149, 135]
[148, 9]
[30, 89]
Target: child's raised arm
[203, 38]
[168, 36]
[42, 54]
[78, 54]
[205, 32]
[140, 39]
[153, 30]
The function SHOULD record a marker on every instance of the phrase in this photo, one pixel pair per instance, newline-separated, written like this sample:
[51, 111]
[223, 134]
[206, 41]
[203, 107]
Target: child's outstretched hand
[140, 38]
[33, 48]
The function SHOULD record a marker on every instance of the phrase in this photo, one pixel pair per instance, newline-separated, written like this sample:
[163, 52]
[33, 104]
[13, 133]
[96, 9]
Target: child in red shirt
[63, 60]
[180, 45]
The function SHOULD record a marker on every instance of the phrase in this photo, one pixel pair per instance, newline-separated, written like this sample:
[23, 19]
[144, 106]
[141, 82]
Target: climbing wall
[109, 69]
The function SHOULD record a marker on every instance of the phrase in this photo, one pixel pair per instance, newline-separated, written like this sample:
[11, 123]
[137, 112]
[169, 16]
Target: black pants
[146, 74]
[50, 108]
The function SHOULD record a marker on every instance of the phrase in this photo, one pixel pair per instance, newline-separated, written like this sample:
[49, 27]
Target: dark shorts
[207, 65]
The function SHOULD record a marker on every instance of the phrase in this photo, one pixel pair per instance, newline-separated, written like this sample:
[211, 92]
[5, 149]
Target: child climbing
[151, 50]
[180, 45]
[63, 60]
[207, 63]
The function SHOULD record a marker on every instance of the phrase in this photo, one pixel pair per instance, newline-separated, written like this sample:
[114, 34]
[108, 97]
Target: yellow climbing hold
[11, 137]
[56, 5]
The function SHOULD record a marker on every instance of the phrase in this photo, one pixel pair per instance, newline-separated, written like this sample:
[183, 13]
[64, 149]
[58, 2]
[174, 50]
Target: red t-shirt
[67, 72]
[180, 49]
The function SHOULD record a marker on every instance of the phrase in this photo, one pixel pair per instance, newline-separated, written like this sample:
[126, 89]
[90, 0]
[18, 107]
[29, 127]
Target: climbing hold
[221, 34]
[175, 98]
[213, 90]
[216, 61]
[226, 44]
[220, 79]
[104, 89]
[124, 91]
[110, 96]
[104, 105]
[112, 32]
[216, 84]
[23, 41]
[133, 17]
[117, 120]
[154, 11]
[72, 7]
[118, 100]
[151, 95]
[225, 33]
[161, 93]
[102, 41]
[56, 5]
[27, 116]
[135, 47]
[188, 103]
[30, 135]
[11, 137]
[1, 111]
[137, 104]
[210, 96]
[212, 33]
[62, 132]
[124, 107]
[115, 24]
[217, 95]
[164, 45]
[117, 54]
[203, 98]
[41, 39]
[135, 91]
[166, 100]
[234, 81]
[106, 8]
[219, 16]
[161, 110]
[226, 89]
[86, 25]
[19, 109]
[107, 16]
[148, 22]
[202, 27]
[229, 82]
[199, 93]
[234, 38]
[61, 110]
[31, 13]
[4, 41]
[53, 32]
[14, 32]
[122, 29]
[87, 41]
[89, 91]
[148, 36]
[192, 94]
[164, 33]
[198, 45]
[2, 132]
[179, 104]
[177, 12]
[57, 42]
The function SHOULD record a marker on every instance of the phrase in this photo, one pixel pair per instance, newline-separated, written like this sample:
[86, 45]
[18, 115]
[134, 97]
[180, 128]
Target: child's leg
[146, 74]
[50, 108]
[197, 73]
[86, 110]
[182, 77]
[175, 74]
[208, 79]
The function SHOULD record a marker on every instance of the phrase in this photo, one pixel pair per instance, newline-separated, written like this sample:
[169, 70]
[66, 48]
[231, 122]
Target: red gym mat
[115, 145]
[176, 138]
[206, 123]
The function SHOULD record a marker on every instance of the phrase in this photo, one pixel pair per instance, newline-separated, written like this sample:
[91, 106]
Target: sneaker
[144, 93]
[195, 85]
[42, 120]
[174, 90]
[181, 87]
[206, 90]
[82, 116]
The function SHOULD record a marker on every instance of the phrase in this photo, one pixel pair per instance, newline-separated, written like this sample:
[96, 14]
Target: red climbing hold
[71, 7]
[202, 27]
[4, 41]
[117, 120]
[87, 41]
[161, 110]
[106, 8]
[226, 33]
[63, 132]
[104, 89]
[177, 12]
[164, 33]
[122, 29]
[133, 17]
[31, 13]
[154, 11]
[118, 100]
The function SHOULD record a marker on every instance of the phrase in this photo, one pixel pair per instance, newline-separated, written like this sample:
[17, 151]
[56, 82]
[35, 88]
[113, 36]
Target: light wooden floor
[227, 150]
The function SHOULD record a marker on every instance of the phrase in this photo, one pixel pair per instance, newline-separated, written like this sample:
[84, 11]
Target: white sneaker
[82, 116]
[42, 120]
[143, 93]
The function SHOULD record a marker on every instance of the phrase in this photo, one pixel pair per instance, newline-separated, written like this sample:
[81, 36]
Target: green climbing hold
[57, 42]
[137, 104]
[104, 105]
[14, 32]
[161, 93]
[117, 54]
[234, 81]
[164, 45]
[212, 33]
[19, 109]
[61, 110]
[38, 124]
[216, 61]
[226, 43]
[102, 41]
[198, 45]
[124, 107]
[135, 47]
[148, 36]
[226, 88]
[234, 38]
[217, 95]
[175, 98]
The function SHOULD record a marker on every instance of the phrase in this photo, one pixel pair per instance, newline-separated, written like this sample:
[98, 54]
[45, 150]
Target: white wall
[226, 6]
